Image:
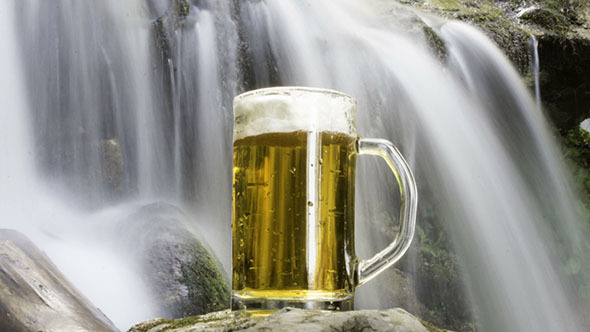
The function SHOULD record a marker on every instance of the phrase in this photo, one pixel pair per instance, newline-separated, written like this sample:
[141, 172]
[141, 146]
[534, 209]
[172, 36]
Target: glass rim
[285, 89]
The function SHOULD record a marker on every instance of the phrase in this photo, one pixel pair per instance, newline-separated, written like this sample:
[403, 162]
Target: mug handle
[368, 269]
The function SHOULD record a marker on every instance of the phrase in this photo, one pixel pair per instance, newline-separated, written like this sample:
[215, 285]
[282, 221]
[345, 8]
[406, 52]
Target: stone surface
[112, 162]
[184, 277]
[35, 296]
[288, 319]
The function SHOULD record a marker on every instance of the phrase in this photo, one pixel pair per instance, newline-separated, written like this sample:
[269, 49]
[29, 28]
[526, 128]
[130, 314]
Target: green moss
[206, 286]
[576, 148]
[450, 5]
[144, 327]
[222, 320]
[576, 145]
[440, 285]
[192, 320]
[552, 20]
[432, 328]
[166, 325]
[494, 20]
[182, 7]
[436, 43]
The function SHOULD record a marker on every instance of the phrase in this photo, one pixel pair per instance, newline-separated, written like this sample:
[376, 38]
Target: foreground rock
[183, 276]
[288, 319]
[35, 296]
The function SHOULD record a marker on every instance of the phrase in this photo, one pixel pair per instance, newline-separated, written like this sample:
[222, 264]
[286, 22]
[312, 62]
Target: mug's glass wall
[293, 191]
[295, 155]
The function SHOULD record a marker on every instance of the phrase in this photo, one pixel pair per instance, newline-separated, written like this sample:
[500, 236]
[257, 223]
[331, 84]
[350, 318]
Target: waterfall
[535, 66]
[111, 104]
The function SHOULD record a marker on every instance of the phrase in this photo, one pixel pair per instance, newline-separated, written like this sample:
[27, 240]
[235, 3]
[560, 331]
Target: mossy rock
[547, 19]
[565, 79]
[183, 276]
[289, 319]
[166, 24]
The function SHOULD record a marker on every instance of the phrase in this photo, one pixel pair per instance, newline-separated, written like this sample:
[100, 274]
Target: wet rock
[565, 79]
[551, 20]
[112, 162]
[35, 296]
[288, 319]
[166, 24]
[184, 277]
[436, 44]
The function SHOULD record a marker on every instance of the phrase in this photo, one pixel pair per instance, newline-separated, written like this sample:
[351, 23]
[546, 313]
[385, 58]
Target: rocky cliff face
[562, 29]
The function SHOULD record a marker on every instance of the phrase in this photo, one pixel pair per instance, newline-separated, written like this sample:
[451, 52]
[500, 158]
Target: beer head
[290, 109]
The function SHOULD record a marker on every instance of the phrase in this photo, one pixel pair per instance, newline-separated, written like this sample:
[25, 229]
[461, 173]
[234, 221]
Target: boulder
[35, 296]
[185, 278]
[289, 319]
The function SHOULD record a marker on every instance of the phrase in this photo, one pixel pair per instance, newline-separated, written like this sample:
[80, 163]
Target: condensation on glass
[294, 161]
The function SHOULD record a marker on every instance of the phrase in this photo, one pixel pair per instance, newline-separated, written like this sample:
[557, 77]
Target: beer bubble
[309, 203]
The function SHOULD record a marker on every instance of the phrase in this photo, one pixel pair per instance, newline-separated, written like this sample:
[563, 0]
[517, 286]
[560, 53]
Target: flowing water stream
[106, 107]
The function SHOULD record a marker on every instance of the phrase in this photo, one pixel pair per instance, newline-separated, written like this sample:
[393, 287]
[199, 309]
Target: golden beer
[294, 157]
[272, 225]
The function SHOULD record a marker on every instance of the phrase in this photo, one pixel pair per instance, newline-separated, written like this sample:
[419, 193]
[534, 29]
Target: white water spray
[75, 241]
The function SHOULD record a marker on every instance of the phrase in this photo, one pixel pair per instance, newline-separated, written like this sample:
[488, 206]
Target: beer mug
[294, 157]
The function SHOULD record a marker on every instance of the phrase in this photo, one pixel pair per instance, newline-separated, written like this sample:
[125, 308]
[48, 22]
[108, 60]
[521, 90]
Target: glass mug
[294, 157]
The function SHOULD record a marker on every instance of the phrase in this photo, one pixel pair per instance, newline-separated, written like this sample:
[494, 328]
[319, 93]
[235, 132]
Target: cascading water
[26, 204]
[535, 66]
[130, 101]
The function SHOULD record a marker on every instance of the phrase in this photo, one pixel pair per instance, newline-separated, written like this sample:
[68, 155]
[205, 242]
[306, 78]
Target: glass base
[266, 305]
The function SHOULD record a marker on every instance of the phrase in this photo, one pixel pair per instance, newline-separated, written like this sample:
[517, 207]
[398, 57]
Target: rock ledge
[289, 319]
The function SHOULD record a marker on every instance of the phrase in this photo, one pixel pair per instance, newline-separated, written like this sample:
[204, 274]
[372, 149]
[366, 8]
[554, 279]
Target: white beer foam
[289, 109]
